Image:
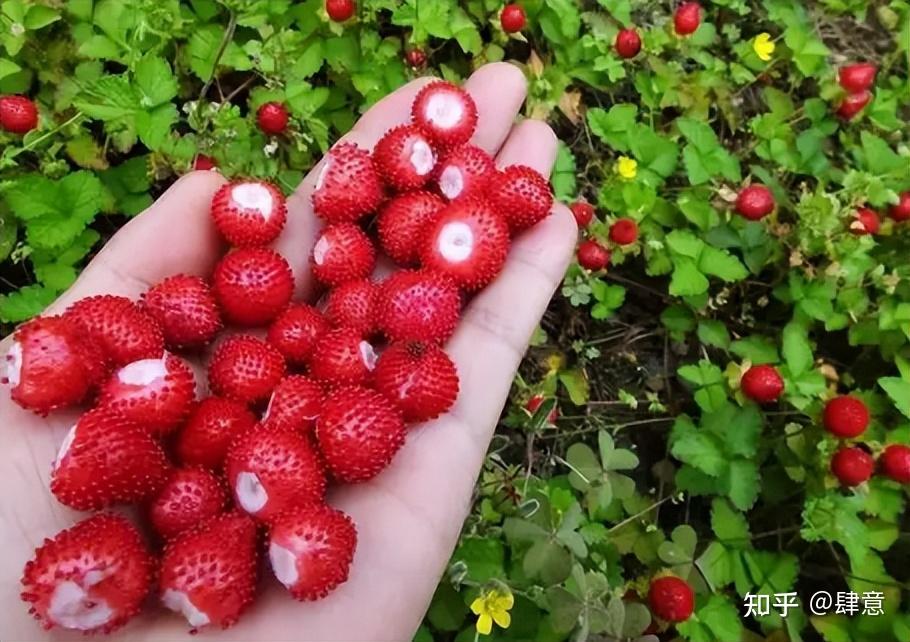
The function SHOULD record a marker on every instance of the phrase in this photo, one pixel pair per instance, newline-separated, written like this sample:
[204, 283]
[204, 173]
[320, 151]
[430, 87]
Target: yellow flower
[493, 606]
[627, 167]
[763, 46]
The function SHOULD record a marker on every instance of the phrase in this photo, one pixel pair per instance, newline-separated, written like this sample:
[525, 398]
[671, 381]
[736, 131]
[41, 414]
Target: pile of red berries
[323, 395]
[591, 253]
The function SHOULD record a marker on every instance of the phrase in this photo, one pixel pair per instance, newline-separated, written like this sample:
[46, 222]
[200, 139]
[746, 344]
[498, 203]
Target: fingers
[499, 90]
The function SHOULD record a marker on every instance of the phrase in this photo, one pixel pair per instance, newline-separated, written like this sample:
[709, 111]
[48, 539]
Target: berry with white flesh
[852, 466]
[245, 369]
[296, 331]
[208, 573]
[404, 158]
[347, 185]
[465, 171]
[671, 598]
[271, 470]
[272, 118]
[762, 384]
[311, 549]
[252, 285]
[624, 231]
[342, 253]
[402, 222]
[212, 425]
[359, 431]
[865, 222]
[687, 18]
[91, 577]
[846, 417]
[295, 404]
[521, 196]
[857, 77]
[249, 213]
[895, 463]
[419, 378]
[418, 305]
[156, 394]
[901, 210]
[106, 459]
[445, 113]
[342, 356]
[18, 114]
[627, 43]
[754, 202]
[189, 497]
[592, 255]
[353, 305]
[853, 104]
[186, 310]
[469, 242]
[123, 330]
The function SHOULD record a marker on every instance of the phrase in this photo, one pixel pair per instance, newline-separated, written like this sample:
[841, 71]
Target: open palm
[408, 517]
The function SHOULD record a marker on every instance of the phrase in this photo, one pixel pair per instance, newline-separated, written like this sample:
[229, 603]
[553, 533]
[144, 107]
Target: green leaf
[25, 303]
[716, 564]
[687, 280]
[153, 127]
[39, 16]
[111, 98]
[721, 264]
[713, 333]
[619, 9]
[484, 558]
[796, 348]
[729, 525]
[755, 348]
[563, 179]
[613, 126]
[613, 458]
[576, 384]
[697, 449]
[742, 481]
[8, 68]
[899, 391]
[155, 81]
[447, 611]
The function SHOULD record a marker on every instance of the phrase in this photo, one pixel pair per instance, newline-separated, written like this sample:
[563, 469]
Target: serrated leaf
[155, 81]
[899, 392]
[687, 280]
[729, 525]
[613, 126]
[25, 303]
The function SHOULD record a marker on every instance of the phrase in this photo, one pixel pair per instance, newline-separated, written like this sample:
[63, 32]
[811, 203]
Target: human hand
[408, 517]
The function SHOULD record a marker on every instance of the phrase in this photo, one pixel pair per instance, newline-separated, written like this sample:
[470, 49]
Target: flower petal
[502, 618]
[477, 606]
[484, 624]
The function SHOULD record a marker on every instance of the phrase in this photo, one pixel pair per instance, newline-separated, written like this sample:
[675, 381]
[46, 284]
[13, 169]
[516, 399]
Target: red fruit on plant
[512, 18]
[106, 459]
[852, 466]
[418, 305]
[901, 211]
[347, 186]
[402, 221]
[359, 431]
[404, 158]
[521, 196]
[687, 18]
[296, 331]
[185, 309]
[468, 241]
[18, 114]
[189, 497]
[762, 384]
[156, 394]
[272, 118]
[252, 285]
[294, 405]
[754, 202]
[249, 213]
[342, 356]
[465, 171]
[342, 253]
[271, 470]
[212, 425]
[203, 162]
[536, 402]
[354, 305]
[628, 43]
[208, 573]
[416, 58]
[124, 331]
[445, 113]
[858, 77]
[245, 369]
[91, 577]
[311, 549]
[853, 104]
[592, 255]
[419, 378]
[339, 10]
[50, 365]
[624, 231]
[846, 417]
[583, 213]
[895, 462]
[866, 222]
[671, 598]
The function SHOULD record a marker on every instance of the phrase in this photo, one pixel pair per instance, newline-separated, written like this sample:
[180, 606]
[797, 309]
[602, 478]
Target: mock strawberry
[535, 402]
[208, 573]
[342, 356]
[846, 417]
[185, 309]
[50, 365]
[347, 186]
[354, 305]
[123, 330]
[512, 19]
[419, 378]
[339, 10]
[18, 114]
[671, 598]
[245, 369]
[852, 466]
[402, 222]
[212, 425]
[865, 222]
[592, 255]
[687, 18]
[404, 158]
[858, 77]
[342, 253]
[416, 58]
[754, 202]
[583, 213]
[189, 497]
[106, 459]
[895, 463]
[295, 404]
[627, 43]
[204, 162]
[521, 196]
[91, 577]
[853, 104]
[272, 118]
[901, 210]
[445, 113]
[271, 470]
[624, 231]
[249, 213]
[311, 549]
[252, 285]
[762, 384]
[468, 241]
[465, 171]
[418, 305]
[296, 331]
[359, 431]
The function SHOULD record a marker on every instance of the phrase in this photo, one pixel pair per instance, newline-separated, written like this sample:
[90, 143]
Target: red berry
[123, 330]
[592, 255]
[203, 162]
[296, 331]
[419, 378]
[467, 170]
[846, 417]
[866, 222]
[512, 18]
[418, 305]
[272, 118]
[402, 222]
[762, 384]
[687, 18]
[754, 202]
[535, 402]
[354, 305]
[671, 598]
[628, 43]
[209, 430]
[901, 211]
[208, 573]
[583, 213]
[106, 459]
[92, 577]
[252, 285]
[339, 10]
[359, 431]
[18, 114]
[185, 309]
[521, 196]
[853, 104]
[311, 572]
[895, 462]
[446, 113]
[245, 369]
[404, 158]
[347, 186]
[271, 470]
[624, 231]
[852, 466]
[189, 497]
[857, 78]
[249, 212]
[342, 356]
[343, 252]
[294, 405]
[416, 58]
